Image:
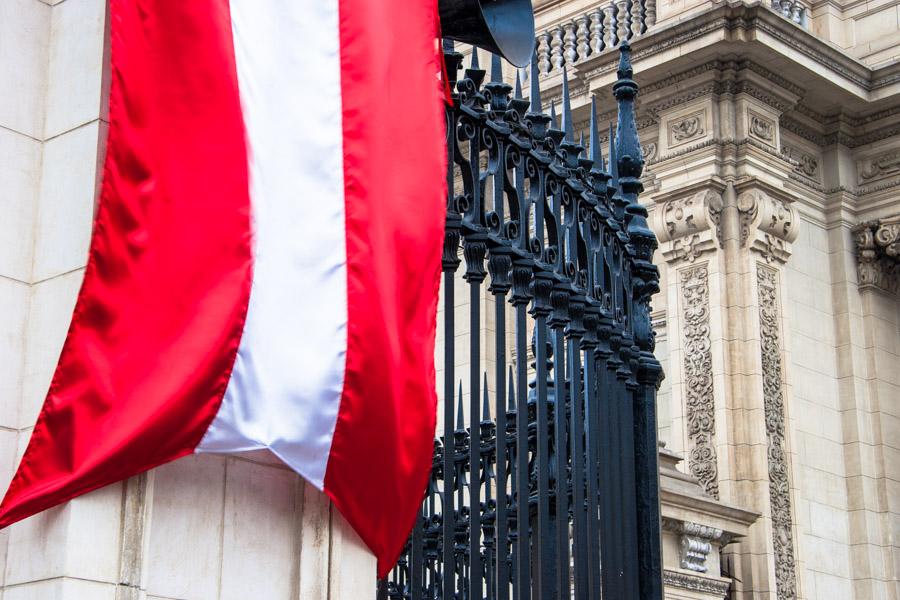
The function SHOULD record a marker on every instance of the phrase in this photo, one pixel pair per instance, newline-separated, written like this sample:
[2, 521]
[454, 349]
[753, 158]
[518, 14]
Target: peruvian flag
[264, 267]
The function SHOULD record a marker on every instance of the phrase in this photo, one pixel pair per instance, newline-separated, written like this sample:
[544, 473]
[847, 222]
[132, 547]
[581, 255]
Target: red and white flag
[264, 267]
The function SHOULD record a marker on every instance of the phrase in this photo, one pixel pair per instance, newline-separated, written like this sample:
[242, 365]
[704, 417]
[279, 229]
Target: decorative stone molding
[649, 150]
[878, 253]
[769, 224]
[686, 129]
[773, 401]
[761, 127]
[696, 541]
[683, 226]
[698, 378]
[877, 167]
[802, 162]
[695, 583]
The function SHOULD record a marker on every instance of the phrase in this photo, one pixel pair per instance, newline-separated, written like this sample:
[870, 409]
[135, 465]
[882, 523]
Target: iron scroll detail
[545, 464]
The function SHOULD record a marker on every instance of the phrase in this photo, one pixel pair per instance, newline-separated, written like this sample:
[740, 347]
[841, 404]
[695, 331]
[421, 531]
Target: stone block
[315, 533]
[24, 41]
[19, 180]
[259, 550]
[50, 313]
[828, 523]
[355, 578]
[78, 539]
[64, 588]
[68, 183]
[14, 300]
[184, 552]
[75, 69]
[821, 486]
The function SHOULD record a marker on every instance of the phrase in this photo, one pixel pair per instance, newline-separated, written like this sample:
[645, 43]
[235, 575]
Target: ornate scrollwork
[803, 163]
[878, 254]
[882, 165]
[762, 128]
[769, 223]
[699, 397]
[684, 225]
[687, 128]
[773, 401]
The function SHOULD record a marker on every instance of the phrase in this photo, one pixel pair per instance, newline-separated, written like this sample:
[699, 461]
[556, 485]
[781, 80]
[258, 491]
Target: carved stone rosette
[773, 399]
[698, 377]
[878, 253]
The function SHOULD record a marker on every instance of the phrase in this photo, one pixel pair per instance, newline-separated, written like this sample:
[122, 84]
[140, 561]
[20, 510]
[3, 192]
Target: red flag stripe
[394, 205]
[160, 313]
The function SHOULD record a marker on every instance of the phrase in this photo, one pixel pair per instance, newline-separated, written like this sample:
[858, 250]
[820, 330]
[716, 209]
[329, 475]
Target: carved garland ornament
[698, 378]
[773, 398]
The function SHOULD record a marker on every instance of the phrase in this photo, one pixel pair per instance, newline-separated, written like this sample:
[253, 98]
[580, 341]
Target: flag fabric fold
[264, 266]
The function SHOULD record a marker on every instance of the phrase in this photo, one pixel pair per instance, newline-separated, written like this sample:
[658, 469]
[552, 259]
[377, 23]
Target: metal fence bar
[557, 495]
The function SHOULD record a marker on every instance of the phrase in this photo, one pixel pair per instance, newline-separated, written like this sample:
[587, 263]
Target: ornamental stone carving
[879, 166]
[686, 129]
[683, 226]
[695, 583]
[773, 402]
[761, 127]
[878, 254]
[696, 542]
[770, 224]
[802, 162]
[698, 378]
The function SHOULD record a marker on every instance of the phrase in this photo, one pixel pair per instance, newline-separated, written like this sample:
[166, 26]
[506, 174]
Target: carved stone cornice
[878, 254]
[696, 583]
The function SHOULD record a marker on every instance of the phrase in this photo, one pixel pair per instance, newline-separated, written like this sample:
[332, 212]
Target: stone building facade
[771, 132]
[772, 141]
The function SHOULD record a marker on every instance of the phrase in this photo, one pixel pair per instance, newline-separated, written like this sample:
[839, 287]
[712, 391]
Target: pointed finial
[496, 68]
[518, 93]
[460, 421]
[596, 149]
[613, 156]
[485, 403]
[474, 66]
[625, 71]
[568, 127]
[536, 107]
[553, 120]
[448, 45]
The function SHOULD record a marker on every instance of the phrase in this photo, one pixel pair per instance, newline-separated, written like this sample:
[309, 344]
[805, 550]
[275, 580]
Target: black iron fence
[556, 495]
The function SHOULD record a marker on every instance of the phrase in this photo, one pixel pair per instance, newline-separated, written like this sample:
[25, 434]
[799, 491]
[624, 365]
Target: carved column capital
[878, 254]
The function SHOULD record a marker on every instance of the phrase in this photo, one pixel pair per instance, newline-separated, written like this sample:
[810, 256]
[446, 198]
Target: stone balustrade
[798, 12]
[592, 32]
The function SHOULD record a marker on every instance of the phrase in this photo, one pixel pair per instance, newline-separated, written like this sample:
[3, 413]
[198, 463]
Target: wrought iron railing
[592, 32]
[557, 495]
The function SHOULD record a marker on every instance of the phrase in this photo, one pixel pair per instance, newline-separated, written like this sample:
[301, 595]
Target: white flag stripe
[286, 385]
